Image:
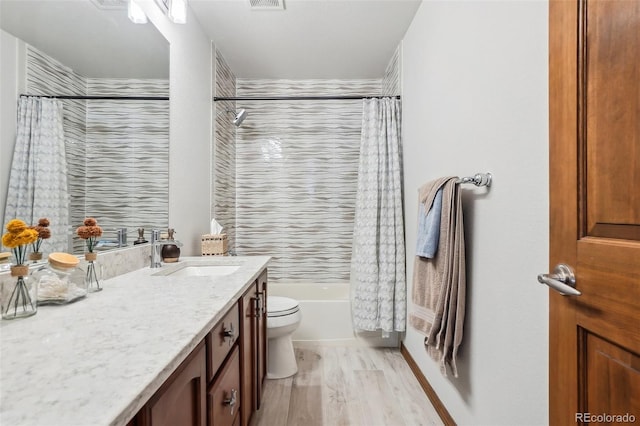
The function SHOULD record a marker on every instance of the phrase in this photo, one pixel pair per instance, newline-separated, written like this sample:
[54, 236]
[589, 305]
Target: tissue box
[214, 245]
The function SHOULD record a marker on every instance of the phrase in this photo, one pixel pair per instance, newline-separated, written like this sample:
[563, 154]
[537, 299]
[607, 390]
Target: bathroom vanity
[161, 346]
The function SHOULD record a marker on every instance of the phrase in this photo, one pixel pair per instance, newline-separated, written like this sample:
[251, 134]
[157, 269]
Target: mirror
[117, 150]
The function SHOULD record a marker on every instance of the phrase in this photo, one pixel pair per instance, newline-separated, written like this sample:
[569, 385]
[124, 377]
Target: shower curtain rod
[106, 98]
[298, 98]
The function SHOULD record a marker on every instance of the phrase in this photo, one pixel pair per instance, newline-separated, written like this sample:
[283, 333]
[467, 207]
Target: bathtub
[326, 315]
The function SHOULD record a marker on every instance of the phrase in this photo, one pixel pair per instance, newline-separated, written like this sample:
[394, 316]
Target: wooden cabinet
[253, 307]
[220, 382]
[181, 399]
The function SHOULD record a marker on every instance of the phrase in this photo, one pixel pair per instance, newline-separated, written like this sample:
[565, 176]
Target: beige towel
[438, 296]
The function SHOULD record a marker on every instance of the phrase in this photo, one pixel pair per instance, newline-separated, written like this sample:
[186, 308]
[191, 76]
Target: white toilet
[283, 318]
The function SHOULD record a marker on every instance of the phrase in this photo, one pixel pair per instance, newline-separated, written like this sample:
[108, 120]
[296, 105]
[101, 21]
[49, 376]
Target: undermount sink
[189, 269]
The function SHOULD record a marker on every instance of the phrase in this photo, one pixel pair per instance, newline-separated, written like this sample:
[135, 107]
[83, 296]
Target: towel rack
[479, 179]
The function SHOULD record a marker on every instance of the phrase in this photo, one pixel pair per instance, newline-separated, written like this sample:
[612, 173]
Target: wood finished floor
[346, 386]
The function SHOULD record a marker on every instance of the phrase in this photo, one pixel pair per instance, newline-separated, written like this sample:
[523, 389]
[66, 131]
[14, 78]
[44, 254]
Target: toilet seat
[278, 306]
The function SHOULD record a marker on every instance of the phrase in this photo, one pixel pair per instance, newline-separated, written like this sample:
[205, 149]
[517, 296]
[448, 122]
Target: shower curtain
[38, 179]
[378, 282]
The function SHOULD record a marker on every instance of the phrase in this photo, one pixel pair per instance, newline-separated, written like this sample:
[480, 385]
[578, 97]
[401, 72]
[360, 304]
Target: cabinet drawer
[220, 341]
[223, 397]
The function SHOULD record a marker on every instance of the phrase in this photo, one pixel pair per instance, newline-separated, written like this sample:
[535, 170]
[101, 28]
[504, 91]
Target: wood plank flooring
[346, 386]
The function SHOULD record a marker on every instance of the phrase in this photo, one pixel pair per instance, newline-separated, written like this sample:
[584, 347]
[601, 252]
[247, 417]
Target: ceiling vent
[267, 4]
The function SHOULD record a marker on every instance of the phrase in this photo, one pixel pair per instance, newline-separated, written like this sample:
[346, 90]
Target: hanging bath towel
[438, 296]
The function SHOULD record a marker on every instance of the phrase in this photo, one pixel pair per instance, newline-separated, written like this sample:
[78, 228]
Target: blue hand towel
[429, 228]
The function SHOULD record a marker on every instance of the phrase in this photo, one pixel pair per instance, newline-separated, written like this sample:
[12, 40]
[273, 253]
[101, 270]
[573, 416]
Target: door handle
[563, 280]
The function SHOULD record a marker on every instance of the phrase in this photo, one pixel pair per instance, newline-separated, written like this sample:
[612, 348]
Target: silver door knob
[563, 280]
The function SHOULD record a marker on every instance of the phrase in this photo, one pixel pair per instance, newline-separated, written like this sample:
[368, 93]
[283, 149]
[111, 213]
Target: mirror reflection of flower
[90, 232]
[42, 228]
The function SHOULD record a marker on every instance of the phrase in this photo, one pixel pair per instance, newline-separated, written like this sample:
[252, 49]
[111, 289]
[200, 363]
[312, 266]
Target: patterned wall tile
[296, 171]
[224, 171]
[391, 82]
[294, 177]
[46, 76]
[127, 148]
[117, 151]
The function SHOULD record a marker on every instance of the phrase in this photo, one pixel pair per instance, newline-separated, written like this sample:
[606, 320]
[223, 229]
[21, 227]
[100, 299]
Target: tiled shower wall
[224, 171]
[297, 168]
[295, 171]
[46, 76]
[117, 151]
[127, 150]
[391, 82]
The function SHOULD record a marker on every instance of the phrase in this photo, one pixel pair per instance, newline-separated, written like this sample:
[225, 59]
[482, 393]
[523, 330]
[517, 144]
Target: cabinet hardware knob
[230, 333]
[257, 312]
[261, 303]
[231, 402]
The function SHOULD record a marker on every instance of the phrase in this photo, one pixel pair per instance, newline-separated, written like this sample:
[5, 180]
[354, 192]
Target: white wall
[190, 120]
[475, 100]
[12, 81]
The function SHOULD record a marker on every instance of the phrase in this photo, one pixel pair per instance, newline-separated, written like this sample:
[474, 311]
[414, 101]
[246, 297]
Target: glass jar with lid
[60, 281]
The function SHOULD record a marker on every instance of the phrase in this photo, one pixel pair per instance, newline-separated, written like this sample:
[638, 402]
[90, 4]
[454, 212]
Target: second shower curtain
[378, 281]
[38, 179]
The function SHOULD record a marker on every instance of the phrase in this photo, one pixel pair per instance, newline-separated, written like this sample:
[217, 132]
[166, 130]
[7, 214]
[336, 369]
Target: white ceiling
[93, 42]
[308, 39]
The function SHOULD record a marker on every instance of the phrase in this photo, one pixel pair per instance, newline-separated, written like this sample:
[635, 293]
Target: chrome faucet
[156, 245]
[122, 237]
[107, 243]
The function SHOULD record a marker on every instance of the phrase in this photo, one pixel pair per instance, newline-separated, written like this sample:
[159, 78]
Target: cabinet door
[247, 351]
[261, 337]
[181, 399]
[225, 395]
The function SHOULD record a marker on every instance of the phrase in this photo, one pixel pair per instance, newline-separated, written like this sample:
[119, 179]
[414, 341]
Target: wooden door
[594, 107]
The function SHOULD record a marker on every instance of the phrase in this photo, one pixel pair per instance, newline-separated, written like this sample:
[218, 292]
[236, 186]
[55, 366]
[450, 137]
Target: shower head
[240, 116]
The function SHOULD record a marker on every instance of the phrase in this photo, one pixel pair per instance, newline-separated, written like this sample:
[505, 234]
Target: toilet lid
[278, 306]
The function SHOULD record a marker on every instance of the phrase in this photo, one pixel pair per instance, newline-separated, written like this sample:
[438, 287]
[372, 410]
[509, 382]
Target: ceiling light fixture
[177, 12]
[135, 13]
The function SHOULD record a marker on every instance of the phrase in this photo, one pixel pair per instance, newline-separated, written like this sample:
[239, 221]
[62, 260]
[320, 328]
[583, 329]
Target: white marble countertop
[97, 361]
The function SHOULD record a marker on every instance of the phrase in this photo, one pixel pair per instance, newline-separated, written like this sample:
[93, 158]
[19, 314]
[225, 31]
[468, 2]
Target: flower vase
[19, 295]
[170, 252]
[94, 272]
[35, 256]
